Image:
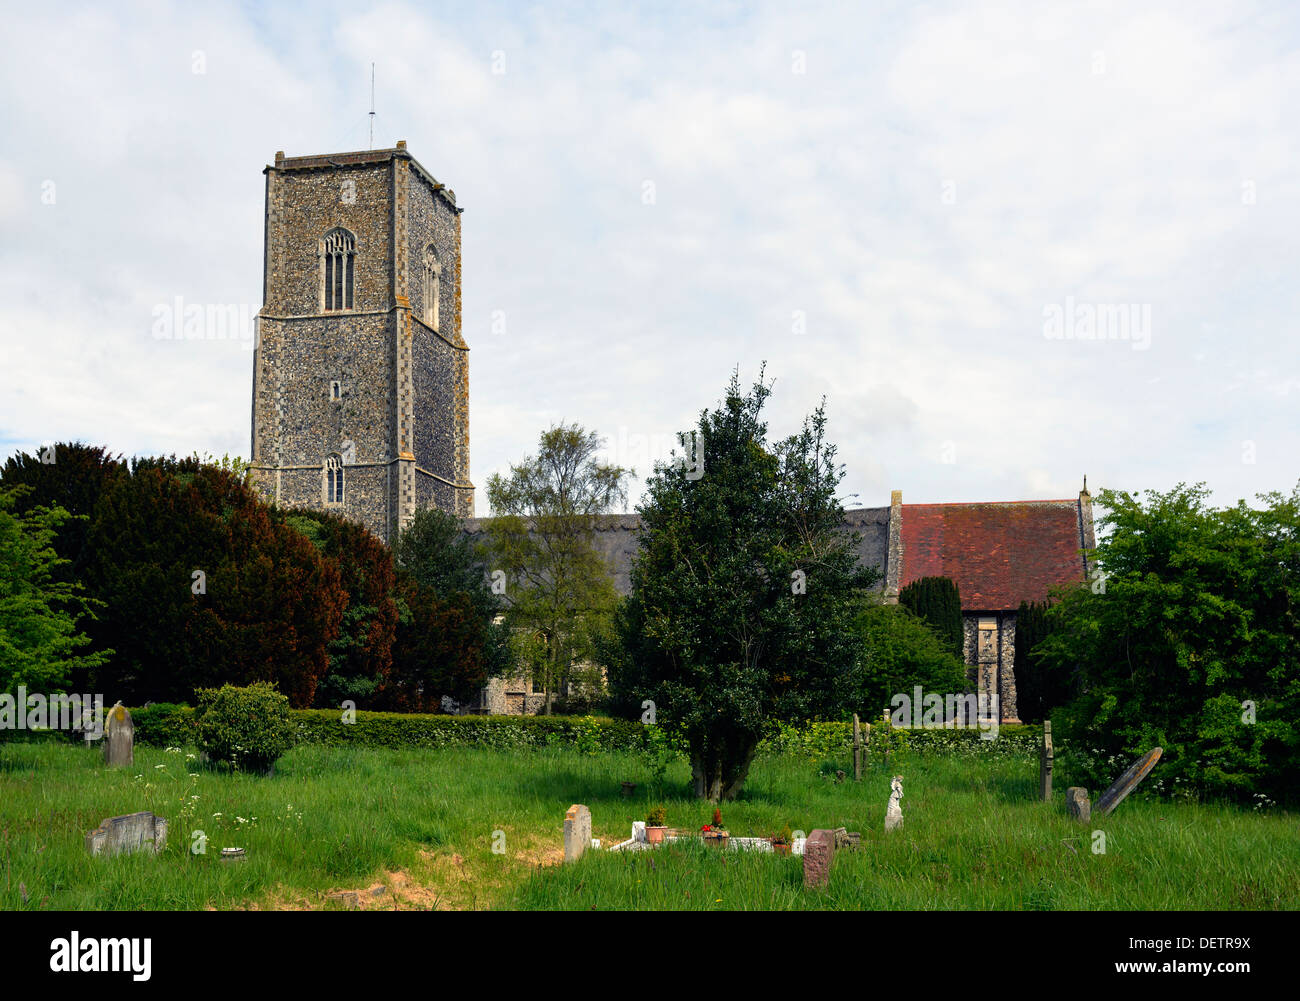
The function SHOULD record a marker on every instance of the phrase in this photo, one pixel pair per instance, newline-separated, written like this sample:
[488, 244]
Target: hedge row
[167, 725]
[173, 725]
[830, 740]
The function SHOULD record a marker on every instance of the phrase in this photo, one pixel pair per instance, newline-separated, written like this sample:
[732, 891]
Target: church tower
[360, 373]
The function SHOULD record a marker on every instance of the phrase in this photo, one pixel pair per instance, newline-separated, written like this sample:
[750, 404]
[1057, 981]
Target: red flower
[705, 828]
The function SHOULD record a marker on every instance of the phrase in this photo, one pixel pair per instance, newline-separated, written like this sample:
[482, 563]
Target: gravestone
[577, 832]
[857, 749]
[1127, 782]
[894, 812]
[127, 834]
[1045, 763]
[818, 852]
[119, 737]
[1077, 803]
[749, 845]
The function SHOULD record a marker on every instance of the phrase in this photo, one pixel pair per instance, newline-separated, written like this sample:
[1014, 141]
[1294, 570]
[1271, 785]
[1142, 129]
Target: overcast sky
[910, 209]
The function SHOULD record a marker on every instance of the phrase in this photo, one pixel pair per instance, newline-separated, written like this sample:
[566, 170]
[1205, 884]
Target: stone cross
[1127, 782]
[119, 737]
[1078, 804]
[894, 812]
[1045, 763]
[127, 834]
[818, 852]
[577, 832]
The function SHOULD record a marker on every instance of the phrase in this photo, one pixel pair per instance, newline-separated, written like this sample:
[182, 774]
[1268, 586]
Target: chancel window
[338, 266]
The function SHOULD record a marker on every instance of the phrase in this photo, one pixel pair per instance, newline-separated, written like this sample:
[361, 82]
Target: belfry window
[432, 273]
[338, 262]
[334, 479]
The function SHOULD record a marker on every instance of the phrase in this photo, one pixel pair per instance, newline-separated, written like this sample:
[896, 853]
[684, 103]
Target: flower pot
[629, 788]
[655, 835]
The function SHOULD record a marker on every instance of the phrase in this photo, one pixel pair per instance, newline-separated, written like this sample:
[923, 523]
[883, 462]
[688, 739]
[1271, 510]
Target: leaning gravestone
[119, 737]
[127, 834]
[1127, 782]
[1077, 803]
[818, 852]
[577, 832]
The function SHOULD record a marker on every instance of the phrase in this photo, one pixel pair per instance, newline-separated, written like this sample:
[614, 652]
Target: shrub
[249, 728]
[165, 724]
[657, 817]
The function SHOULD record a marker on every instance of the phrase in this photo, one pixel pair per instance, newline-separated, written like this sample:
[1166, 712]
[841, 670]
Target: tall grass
[423, 821]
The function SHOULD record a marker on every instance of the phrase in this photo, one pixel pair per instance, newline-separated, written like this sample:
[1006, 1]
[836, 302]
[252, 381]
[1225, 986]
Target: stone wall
[991, 660]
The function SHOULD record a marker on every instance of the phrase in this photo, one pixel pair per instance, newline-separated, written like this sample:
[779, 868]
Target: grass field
[421, 823]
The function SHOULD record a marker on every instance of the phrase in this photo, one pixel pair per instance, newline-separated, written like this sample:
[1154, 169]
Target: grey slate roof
[617, 542]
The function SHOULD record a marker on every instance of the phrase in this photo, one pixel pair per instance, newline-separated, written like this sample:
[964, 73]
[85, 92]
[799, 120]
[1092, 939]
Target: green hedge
[173, 726]
[829, 740]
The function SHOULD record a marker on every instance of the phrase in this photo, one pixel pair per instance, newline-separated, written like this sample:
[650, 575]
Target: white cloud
[1122, 181]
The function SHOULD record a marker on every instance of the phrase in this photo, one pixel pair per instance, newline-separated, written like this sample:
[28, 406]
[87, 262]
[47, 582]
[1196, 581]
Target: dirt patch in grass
[442, 880]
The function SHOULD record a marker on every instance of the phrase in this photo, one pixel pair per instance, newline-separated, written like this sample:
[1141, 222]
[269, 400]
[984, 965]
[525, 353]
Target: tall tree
[41, 645]
[448, 640]
[361, 656]
[203, 585]
[899, 651]
[541, 537]
[67, 475]
[744, 589]
[938, 602]
[1040, 687]
[1189, 639]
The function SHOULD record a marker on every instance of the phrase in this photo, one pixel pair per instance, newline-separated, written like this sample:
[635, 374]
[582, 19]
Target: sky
[919, 212]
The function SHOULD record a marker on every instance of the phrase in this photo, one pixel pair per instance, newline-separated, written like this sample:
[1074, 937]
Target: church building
[361, 406]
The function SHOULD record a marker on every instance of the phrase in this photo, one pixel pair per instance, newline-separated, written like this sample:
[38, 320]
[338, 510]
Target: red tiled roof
[999, 554]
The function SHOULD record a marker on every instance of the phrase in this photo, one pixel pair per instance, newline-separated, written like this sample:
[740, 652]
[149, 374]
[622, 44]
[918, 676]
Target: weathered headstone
[818, 852]
[894, 812]
[119, 737]
[577, 832]
[857, 749]
[1077, 803]
[129, 833]
[1127, 782]
[1045, 763]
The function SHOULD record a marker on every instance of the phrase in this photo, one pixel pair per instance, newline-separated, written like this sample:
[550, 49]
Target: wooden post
[1045, 763]
[857, 749]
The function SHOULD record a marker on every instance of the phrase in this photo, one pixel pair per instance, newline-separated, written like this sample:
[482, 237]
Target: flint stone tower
[360, 374]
